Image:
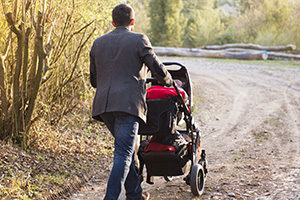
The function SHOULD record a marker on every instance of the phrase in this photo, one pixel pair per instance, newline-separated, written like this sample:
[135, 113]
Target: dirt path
[250, 119]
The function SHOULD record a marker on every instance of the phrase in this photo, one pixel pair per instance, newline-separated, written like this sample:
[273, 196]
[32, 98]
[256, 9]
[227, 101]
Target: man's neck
[127, 27]
[130, 28]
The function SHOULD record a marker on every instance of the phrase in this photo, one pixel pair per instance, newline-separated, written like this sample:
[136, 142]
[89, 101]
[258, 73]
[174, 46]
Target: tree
[141, 23]
[203, 22]
[267, 22]
[17, 106]
[165, 22]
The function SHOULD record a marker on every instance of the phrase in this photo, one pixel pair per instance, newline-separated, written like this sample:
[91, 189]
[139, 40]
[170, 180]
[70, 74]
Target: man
[118, 73]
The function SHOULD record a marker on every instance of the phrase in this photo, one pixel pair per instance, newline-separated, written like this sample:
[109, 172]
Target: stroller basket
[164, 163]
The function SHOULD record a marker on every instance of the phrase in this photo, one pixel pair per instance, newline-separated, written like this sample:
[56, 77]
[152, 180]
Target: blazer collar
[121, 28]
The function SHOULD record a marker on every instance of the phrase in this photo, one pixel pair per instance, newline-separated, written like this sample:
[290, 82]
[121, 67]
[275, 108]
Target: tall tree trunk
[4, 101]
[35, 83]
[16, 101]
[3, 105]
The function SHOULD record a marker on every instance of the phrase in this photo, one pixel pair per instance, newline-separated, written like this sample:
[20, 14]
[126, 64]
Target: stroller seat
[161, 117]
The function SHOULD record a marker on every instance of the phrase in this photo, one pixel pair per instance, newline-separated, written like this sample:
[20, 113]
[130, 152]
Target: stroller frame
[197, 171]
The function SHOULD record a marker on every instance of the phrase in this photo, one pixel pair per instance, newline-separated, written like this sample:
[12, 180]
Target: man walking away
[118, 74]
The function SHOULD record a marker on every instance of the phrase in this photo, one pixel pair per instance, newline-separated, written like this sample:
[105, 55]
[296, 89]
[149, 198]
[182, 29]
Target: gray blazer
[118, 73]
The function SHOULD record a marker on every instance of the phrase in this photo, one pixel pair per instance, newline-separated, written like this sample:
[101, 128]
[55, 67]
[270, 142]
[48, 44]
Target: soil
[249, 115]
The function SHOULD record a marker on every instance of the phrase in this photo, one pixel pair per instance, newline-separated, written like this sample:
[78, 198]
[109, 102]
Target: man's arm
[156, 67]
[93, 75]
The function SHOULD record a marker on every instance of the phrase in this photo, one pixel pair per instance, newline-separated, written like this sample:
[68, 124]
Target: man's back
[118, 73]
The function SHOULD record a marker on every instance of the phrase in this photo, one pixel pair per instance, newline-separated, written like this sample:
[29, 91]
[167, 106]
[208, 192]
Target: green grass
[273, 122]
[262, 136]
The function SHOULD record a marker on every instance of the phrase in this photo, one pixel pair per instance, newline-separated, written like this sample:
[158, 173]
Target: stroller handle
[185, 108]
[174, 63]
[151, 80]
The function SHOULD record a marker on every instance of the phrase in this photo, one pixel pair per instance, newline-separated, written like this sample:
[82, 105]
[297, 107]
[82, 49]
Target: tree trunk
[16, 101]
[171, 51]
[4, 105]
[289, 47]
[35, 83]
[271, 55]
[283, 56]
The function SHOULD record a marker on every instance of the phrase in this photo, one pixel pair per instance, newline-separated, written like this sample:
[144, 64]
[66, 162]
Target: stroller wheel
[168, 178]
[197, 179]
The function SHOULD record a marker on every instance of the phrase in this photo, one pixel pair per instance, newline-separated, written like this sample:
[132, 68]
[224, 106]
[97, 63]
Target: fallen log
[282, 56]
[271, 55]
[186, 52]
[289, 47]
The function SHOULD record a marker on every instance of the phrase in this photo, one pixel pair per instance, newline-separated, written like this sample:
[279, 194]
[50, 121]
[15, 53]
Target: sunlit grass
[57, 155]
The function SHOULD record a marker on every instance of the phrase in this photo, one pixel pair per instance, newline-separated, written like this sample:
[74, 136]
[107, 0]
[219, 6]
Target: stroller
[167, 150]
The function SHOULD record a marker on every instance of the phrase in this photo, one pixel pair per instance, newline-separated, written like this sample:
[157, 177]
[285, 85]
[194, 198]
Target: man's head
[123, 15]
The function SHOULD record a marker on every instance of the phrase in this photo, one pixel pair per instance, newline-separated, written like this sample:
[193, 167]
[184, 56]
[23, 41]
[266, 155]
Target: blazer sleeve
[93, 75]
[149, 58]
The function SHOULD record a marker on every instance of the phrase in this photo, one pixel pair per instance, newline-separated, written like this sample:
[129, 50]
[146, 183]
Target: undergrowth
[56, 156]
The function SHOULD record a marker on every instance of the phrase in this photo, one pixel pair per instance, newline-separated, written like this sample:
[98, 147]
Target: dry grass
[57, 156]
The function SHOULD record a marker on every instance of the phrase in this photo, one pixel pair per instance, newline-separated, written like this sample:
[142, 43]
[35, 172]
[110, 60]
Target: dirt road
[250, 118]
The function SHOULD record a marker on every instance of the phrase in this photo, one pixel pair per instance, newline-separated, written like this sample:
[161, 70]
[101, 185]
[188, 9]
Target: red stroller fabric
[153, 146]
[161, 92]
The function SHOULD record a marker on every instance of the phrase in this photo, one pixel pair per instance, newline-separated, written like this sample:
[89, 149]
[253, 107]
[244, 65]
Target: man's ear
[113, 23]
[132, 22]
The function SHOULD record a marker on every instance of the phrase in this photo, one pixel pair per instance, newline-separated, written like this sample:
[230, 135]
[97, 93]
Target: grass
[261, 136]
[238, 155]
[272, 122]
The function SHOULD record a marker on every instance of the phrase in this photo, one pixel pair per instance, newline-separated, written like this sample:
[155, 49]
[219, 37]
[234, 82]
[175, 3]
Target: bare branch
[69, 39]
[4, 6]
[15, 10]
[6, 48]
[11, 22]
[27, 6]
[32, 15]
[61, 37]
[84, 27]
[47, 78]
[77, 56]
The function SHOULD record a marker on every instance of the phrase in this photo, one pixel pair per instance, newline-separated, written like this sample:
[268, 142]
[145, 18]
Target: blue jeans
[124, 128]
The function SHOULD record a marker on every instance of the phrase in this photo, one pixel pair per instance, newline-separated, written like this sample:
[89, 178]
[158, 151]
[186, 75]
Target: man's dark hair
[122, 15]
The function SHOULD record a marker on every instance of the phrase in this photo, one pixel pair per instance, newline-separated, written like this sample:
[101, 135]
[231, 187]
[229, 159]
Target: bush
[45, 69]
[204, 27]
[265, 22]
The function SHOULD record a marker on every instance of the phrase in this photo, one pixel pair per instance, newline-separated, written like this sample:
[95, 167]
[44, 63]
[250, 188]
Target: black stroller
[167, 150]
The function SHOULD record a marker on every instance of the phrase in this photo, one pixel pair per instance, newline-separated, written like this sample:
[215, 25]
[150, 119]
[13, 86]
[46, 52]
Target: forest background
[44, 65]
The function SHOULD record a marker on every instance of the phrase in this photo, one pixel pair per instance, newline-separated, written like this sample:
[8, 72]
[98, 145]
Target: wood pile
[233, 51]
